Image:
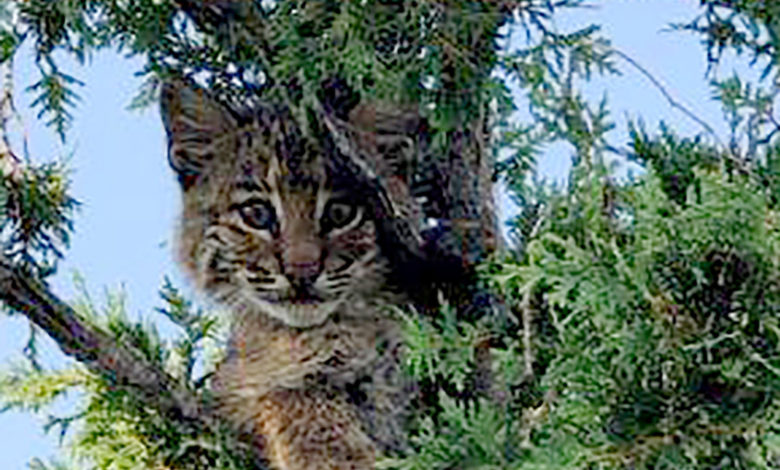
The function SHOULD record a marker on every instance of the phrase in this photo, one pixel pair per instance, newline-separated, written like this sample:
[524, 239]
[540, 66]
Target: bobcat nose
[301, 263]
[302, 273]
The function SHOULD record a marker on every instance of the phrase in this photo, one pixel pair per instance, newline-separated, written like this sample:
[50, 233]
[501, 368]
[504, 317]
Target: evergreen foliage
[642, 327]
[111, 428]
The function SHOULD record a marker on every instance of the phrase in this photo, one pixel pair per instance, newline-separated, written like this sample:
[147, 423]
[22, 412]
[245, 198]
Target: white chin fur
[298, 315]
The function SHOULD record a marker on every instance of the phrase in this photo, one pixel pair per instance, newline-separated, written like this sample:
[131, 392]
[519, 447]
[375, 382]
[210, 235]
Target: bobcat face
[270, 223]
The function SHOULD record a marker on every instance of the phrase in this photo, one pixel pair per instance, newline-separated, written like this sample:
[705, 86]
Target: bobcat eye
[338, 213]
[258, 214]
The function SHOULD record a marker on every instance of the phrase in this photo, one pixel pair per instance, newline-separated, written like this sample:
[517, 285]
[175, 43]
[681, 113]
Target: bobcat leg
[309, 430]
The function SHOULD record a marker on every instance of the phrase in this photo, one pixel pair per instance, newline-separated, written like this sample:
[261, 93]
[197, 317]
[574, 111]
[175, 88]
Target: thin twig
[669, 98]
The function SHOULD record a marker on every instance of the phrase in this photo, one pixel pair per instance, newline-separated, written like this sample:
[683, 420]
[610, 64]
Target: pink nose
[301, 263]
[303, 272]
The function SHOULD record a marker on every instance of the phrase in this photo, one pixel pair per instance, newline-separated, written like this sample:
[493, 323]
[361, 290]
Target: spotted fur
[280, 230]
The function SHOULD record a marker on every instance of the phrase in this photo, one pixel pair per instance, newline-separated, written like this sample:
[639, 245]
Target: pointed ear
[382, 143]
[194, 123]
[390, 136]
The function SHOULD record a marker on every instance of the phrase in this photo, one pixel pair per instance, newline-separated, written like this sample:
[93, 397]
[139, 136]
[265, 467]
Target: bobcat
[279, 228]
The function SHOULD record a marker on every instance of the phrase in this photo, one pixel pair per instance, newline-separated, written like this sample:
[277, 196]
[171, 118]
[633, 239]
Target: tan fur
[313, 364]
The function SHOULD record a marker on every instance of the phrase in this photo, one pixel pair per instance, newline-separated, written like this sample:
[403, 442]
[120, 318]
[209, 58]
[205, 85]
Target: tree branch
[97, 350]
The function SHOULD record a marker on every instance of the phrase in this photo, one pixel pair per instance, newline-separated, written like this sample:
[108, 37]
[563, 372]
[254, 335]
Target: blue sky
[130, 198]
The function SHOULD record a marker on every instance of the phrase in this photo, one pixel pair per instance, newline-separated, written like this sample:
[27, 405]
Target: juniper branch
[232, 22]
[123, 365]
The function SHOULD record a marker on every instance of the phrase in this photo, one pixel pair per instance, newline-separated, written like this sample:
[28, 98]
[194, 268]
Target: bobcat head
[272, 221]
